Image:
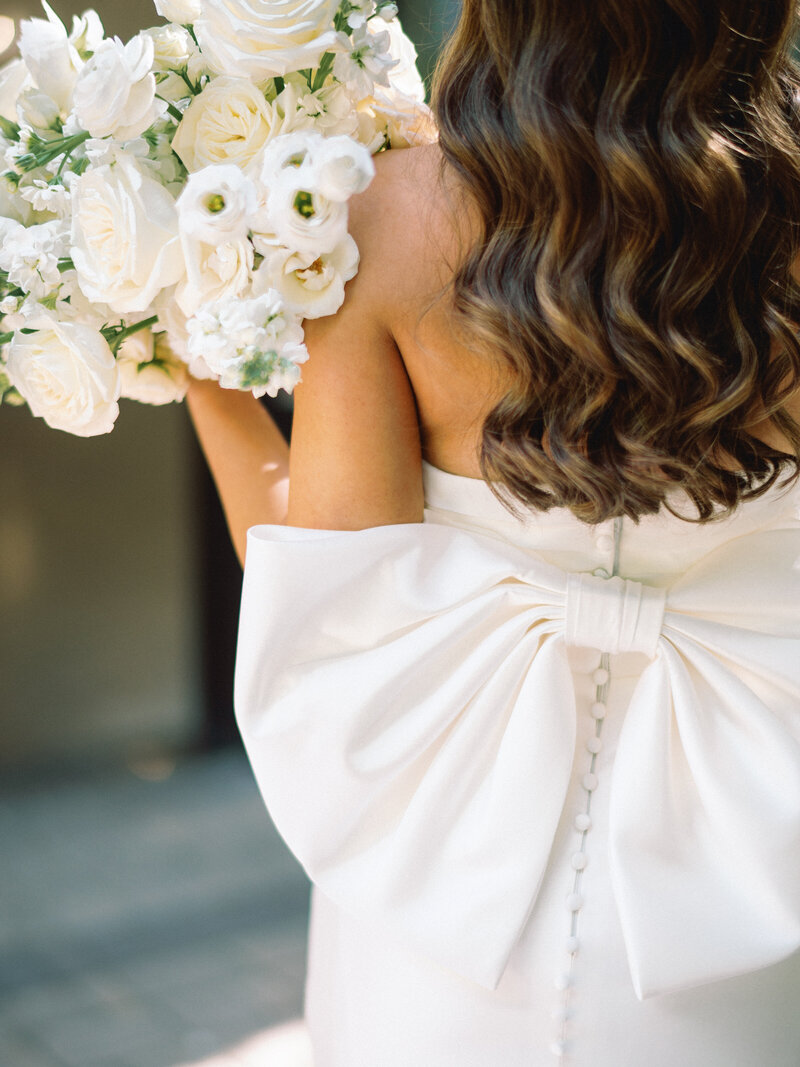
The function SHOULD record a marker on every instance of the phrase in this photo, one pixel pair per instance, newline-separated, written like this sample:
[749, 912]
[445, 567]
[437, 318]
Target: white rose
[125, 243]
[174, 50]
[213, 272]
[149, 371]
[183, 12]
[115, 93]
[216, 204]
[259, 40]
[53, 57]
[228, 122]
[67, 374]
[311, 287]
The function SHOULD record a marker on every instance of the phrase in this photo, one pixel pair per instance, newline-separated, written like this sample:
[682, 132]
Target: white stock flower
[125, 242]
[401, 104]
[53, 57]
[250, 344]
[115, 93]
[184, 12]
[174, 50]
[213, 272]
[311, 287]
[258, 40]
[329, 110]
[149, 371]
[216, 204]
[42, 196]
[228, 122]
[30, 255]
[67, 374]
[364, 60]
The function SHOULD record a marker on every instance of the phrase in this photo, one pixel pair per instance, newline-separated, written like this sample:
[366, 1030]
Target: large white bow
[407, 705]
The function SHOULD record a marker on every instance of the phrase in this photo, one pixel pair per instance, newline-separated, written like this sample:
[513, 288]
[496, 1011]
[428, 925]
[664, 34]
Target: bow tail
[705, 820]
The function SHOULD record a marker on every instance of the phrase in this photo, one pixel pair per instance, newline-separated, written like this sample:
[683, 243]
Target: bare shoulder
[403, 226]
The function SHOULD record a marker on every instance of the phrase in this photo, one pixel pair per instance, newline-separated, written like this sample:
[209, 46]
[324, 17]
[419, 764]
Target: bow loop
[613, 614]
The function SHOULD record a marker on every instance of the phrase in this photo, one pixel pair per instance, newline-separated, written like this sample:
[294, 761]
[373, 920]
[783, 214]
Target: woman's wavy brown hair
[636, 169]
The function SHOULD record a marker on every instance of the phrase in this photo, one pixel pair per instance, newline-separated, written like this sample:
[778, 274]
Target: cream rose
[125, 243]
[180, 11]
[228, 122]
[259, 40]
[67, 374]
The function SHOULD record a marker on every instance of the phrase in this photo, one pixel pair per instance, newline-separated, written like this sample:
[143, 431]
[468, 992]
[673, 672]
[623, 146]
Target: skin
[386, 384]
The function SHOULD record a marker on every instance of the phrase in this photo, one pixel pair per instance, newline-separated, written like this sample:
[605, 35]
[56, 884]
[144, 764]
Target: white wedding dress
[525, 852]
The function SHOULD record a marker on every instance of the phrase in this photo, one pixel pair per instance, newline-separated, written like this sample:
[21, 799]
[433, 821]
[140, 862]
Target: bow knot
[613, 614]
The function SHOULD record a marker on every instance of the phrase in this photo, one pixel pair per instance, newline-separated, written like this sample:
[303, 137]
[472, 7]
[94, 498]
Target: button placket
[579, 860]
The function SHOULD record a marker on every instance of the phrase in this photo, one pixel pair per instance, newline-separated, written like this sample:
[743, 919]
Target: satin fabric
[407, 698]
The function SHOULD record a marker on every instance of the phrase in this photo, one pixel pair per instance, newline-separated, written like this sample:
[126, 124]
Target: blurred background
[149, 914]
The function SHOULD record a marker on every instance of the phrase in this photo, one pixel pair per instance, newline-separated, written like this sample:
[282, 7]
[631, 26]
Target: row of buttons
[608, 545]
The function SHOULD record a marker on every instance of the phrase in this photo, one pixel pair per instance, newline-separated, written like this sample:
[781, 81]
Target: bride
[519, 655]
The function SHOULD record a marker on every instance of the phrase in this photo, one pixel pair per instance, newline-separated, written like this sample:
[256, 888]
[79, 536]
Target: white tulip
[67, 374]
[125, 243]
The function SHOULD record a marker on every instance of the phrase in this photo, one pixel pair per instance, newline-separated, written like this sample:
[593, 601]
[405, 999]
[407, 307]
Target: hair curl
[636, 169]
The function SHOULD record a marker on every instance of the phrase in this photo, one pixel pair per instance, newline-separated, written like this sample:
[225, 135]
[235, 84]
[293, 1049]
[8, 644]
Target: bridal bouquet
[178, 203]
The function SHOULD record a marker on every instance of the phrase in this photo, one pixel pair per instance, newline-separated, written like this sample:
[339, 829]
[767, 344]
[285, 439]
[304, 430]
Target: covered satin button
[594, 745]
[579, 861]
[598, 710]
[605, 542]
[558, 1048]
[583, 823]
[574, 902]
[572, 945]
[600, 676]
[589, 782]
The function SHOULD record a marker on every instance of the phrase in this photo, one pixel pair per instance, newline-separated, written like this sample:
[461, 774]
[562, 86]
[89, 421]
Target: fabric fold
[405, 697]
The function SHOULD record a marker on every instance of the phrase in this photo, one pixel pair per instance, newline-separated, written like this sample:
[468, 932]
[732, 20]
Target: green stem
[174, 111]
[324, 69]
[193, 89]
[116, 338]
[61, 146]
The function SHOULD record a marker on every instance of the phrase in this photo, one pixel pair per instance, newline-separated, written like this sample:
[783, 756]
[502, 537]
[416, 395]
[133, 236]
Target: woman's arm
[356, 456]
[247, 456]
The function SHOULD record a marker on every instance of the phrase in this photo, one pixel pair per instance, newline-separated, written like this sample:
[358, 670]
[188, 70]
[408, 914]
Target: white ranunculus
[258, 40]
[228, 122]
[342, 167]
[311, 286]
[125, 242]
[53, 57]
[213, 272]
[67, 374]
[149, 371]
[184, 12]
[115, 93]
[216, 204]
